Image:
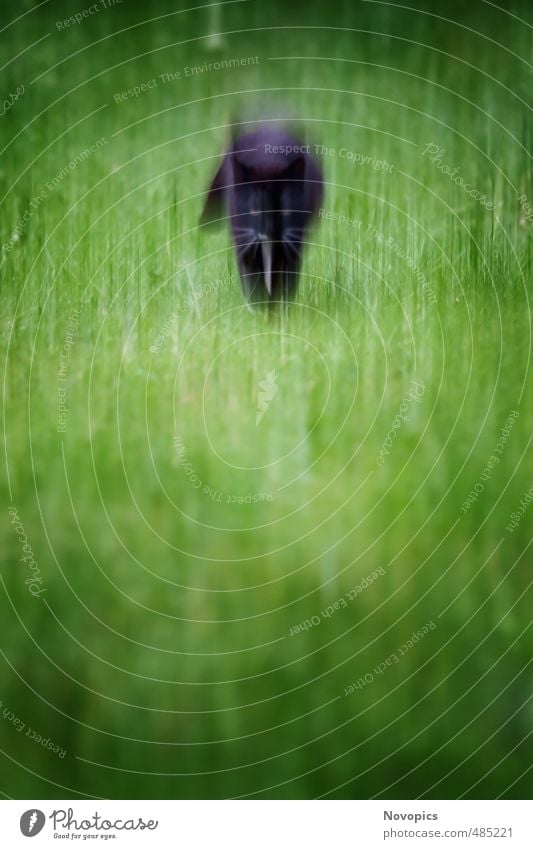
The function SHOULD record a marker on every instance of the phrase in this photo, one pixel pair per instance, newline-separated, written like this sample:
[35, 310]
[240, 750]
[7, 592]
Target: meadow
[267, 555]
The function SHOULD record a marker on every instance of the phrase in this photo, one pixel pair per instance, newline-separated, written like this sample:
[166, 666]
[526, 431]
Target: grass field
[212, 606]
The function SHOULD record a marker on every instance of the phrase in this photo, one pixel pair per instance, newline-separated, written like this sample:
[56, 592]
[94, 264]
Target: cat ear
[296, 170]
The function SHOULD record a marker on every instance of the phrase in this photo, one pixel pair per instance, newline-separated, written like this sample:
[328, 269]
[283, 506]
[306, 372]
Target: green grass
[160, 655]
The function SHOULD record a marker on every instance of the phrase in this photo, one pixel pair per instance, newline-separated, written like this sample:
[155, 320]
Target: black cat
[270, 187]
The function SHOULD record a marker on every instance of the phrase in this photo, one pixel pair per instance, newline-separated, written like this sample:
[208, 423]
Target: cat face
[255, 210]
